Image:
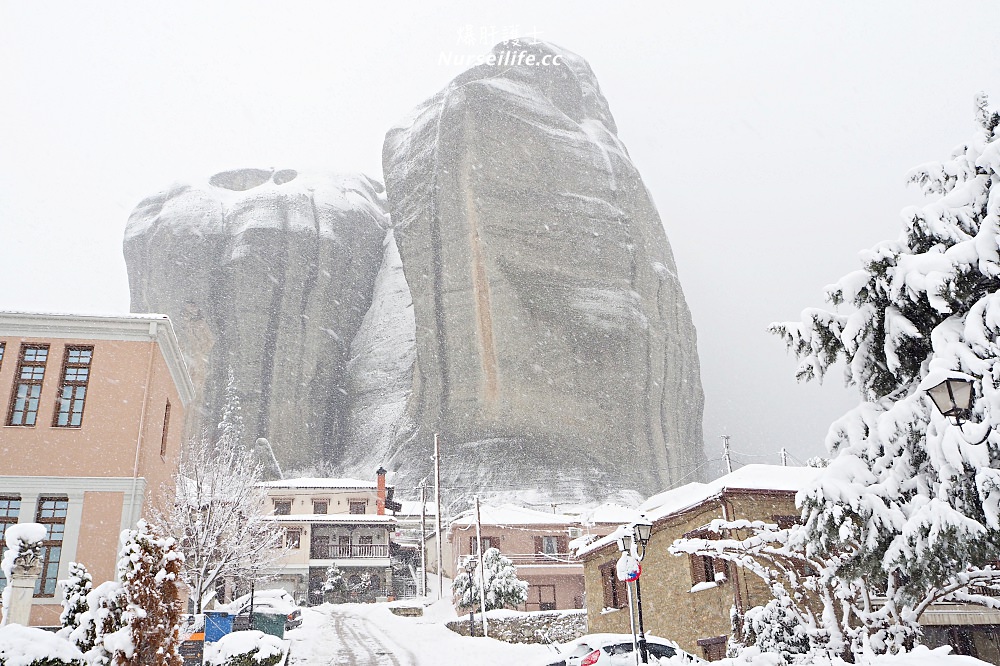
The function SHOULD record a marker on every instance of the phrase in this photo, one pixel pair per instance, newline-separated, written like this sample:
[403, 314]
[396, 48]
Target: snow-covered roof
[320, 484]
[750, 477]
[352, 518]
[412, 508]
[511, 514]
[609, 514]
[759, 478]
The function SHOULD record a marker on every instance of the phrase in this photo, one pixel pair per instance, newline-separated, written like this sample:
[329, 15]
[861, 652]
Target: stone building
[688, 599]
[93, 416]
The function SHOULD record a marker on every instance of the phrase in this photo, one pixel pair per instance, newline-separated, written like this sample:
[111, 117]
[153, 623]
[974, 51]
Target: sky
[774, 138]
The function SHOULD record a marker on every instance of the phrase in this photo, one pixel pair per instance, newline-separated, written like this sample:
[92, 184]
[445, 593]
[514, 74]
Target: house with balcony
[92, 426]
[537, 542]
[328, 522]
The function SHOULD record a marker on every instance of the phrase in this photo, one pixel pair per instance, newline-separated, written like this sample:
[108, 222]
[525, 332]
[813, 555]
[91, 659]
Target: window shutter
[607, 582]
[538, 544]
[620, 586]
[720, 566]
[697, 569]
[562, 544]
[472, 545]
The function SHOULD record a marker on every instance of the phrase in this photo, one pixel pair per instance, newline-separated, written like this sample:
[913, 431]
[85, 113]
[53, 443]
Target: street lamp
[642, 529]
[952, 393]
[470, 569]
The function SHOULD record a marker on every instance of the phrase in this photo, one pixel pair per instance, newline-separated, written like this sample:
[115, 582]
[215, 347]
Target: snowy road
[348, 639]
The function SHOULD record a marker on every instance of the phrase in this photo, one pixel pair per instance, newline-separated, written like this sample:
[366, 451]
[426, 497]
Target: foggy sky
[774, 138]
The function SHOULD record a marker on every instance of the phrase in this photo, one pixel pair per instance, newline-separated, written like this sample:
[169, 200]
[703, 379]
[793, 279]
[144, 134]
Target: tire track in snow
[362, 643]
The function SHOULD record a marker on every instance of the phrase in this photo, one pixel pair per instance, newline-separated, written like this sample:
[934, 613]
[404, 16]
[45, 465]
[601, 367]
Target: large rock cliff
[268, 276]
[554, 348]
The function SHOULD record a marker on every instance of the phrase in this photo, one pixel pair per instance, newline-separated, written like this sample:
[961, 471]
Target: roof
[315, 483]
[412, 508]
[609, 514]
[511, 514]
[751, 478]
[133, 327]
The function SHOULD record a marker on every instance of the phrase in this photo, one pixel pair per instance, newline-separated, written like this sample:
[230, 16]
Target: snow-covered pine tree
[103, 617]
[503, 588]
[909, 506]
[74, 592]
[148, 568]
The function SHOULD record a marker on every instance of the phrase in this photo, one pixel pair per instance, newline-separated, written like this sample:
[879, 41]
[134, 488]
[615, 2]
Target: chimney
[380, 498]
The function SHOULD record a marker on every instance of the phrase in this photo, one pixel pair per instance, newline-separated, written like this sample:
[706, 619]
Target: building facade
[93, 420]
[327, 522]
[535, 541]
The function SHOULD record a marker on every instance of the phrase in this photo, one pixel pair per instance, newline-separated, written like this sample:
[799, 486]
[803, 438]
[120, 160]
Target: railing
[542, 558]
[329, 552]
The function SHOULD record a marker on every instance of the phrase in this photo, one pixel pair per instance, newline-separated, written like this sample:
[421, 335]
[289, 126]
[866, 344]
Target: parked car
[617, 650]
[275, 602]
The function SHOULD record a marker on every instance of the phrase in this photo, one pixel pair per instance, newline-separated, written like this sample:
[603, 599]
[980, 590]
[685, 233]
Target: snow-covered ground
[370, 634]
[362, 634]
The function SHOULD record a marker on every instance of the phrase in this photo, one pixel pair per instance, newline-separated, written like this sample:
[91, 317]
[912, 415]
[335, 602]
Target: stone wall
[541, 627]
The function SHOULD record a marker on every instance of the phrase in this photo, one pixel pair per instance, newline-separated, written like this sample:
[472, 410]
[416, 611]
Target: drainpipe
[142, 423]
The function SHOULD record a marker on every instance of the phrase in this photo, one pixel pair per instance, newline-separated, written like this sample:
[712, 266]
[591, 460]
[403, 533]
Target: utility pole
[725, 454]
[437, 513]
[423, 537]
[482, 570]
[784, 457]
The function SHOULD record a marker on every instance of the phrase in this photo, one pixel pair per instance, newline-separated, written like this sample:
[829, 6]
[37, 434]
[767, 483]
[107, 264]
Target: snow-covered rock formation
[554, 348]
[267, 275]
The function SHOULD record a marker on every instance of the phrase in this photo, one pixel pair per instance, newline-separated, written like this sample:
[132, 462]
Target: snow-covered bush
[103, 617]
[244, 648]
[74, 591]
[776, 627]
[30, 646]
[335, 586]
[503, 589]
[909, 507]
[148, 568]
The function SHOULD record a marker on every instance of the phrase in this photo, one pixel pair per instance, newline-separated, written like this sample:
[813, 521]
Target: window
[2, 345]
[488, 542]
[357, 506]
[322, 506]
[293, 537]
[10, 507]
[51, 513]
[714, 648]
[28, 385]
[615, 595]
[541, 597]
[73, 388]
[166, 427]
[707, 569]
[344, 546]
[282, 507]
[551, 545]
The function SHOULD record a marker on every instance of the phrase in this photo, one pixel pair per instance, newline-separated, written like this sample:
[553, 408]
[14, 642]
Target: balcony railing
[337, 551]
[541, 558]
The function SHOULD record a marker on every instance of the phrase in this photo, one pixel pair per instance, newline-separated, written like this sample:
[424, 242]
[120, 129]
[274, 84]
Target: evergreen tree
[74, 600]
[909, 506]
[149, 568]
[503, 589]
[335, 585]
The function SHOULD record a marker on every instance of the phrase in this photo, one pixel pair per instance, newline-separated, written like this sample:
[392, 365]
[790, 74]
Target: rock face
[267, 275]
[554, 348]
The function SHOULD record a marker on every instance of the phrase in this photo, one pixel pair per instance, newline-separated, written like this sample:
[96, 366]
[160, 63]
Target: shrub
[30, 646]
[244, 648]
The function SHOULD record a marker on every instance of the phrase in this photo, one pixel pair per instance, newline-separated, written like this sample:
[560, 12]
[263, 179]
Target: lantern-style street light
[642, 530]
[952, 393]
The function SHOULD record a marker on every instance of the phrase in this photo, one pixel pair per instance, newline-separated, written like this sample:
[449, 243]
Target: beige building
[688, 599]
[328, 522]
[536, 542]
[93, 417]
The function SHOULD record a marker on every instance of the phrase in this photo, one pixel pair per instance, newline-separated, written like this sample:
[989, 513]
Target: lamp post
[470, 569]
[626, 548]
[642, 529]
